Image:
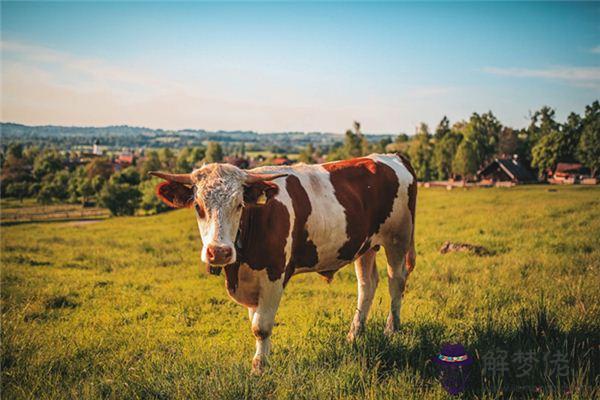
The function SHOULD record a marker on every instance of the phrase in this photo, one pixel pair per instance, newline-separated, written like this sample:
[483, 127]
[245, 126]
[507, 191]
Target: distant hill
[132, 136]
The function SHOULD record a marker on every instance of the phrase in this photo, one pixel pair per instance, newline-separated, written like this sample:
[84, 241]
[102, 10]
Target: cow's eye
[199, 210]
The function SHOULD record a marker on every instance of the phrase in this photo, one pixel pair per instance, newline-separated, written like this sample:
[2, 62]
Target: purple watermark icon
[454, 365]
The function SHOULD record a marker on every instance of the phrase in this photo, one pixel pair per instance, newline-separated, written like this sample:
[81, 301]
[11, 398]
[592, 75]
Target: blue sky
[295, 66]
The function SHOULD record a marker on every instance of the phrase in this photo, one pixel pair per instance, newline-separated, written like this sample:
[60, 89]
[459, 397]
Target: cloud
[588, 77]
[595, 50]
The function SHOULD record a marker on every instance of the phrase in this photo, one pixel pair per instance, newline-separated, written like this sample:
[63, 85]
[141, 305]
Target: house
[505, 171]
[568, 173]
[124, 160]
[282, 161]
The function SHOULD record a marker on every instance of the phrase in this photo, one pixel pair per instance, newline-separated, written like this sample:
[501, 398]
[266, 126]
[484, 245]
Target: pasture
[122, 308]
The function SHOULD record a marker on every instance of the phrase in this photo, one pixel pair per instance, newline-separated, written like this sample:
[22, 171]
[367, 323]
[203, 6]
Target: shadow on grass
[530, 356]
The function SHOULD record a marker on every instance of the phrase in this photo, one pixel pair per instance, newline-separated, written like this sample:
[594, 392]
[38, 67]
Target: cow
[265, 225]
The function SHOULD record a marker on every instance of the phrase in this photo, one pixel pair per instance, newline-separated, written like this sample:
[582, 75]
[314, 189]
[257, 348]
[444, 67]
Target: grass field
[123, 309]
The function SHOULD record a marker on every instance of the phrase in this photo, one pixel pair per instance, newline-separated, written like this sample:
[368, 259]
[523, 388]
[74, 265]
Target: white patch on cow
[400, 214]
[327, 221]
[263, 317]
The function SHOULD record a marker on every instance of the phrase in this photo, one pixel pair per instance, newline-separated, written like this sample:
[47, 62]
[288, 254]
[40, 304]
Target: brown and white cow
[265, 225]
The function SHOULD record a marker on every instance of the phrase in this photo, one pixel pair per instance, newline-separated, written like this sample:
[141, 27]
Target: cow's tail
[411, 254]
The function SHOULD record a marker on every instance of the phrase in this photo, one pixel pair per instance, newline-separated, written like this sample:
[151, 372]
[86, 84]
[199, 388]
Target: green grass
[123, 309]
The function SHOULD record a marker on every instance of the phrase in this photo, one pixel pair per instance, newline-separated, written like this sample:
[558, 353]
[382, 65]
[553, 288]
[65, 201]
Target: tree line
[456, 150]
[51, 176]
[461, 149]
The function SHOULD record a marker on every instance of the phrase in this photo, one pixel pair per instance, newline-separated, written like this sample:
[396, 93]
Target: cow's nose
[219, 254]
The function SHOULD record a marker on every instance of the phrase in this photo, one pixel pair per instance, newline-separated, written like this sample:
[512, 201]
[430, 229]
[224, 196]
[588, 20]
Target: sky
[273, 67]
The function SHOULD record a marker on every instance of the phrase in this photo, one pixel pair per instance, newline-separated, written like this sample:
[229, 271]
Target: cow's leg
[397, 270]
[263, 320]
[367, 278]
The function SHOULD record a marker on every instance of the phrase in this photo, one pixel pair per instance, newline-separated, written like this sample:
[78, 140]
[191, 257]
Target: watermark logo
[454, 366]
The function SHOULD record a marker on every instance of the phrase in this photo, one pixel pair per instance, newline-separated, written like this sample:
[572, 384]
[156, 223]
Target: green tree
[167, 159]
[214, 152]
[54, 188]
[483, 132]
[465, 160]
[183, 163]
[151, 163]
[307, 154]
[46, 163]
[443, 154]
[18, 190]
[442, 129]
[589, 143]
[382, 145]
[119, 195]
[421, 152]
[150, 201]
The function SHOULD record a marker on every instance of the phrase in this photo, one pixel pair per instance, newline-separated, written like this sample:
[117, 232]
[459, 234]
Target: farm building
[569, 173]
[505, 170]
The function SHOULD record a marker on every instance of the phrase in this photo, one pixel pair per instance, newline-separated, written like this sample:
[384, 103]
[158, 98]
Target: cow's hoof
[258, 366]
[353, 335]
[391, 328]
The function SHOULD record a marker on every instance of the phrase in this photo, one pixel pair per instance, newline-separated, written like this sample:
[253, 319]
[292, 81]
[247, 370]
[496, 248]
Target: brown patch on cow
[176, 195]
[304, 251]
[242, 284]
[263, 234]
[328, 275]
[231, 277]
[366, 189]
[260, 334]
[254, 191]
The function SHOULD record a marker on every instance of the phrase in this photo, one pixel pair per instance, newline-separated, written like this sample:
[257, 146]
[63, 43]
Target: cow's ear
[176, 195]
[258, 193]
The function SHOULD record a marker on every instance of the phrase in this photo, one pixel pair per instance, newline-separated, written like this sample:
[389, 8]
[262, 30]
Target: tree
[18, 190]
[557, 143]
[150, 201]
[307, 154]
[99, 167]
[167, 159]
[151, 163]
[214, 152]
[119, 195]
[420, 153]
[588, 148]
[465, 160]
[442, 129]
[46, 163]
[443, 154]
[381, 147]
[482, 131]
[54, 188]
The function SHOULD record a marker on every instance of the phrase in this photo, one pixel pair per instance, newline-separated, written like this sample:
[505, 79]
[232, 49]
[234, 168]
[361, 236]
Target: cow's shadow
[531, 356]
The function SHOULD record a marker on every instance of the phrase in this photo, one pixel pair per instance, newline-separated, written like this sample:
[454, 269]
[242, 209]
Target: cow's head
[218, 192]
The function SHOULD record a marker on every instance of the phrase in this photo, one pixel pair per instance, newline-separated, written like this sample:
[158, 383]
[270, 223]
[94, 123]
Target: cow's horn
[186, 179]
[253, 178]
